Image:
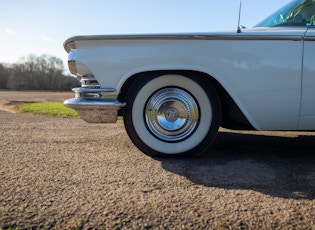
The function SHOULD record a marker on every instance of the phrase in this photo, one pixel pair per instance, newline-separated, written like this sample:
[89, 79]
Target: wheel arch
[232, 116]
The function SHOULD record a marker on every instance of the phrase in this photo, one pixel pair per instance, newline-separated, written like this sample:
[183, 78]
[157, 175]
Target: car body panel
[266, 70]
[307, 119]
[261, 70]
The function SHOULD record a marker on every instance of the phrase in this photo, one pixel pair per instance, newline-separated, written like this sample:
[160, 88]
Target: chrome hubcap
[171, 114]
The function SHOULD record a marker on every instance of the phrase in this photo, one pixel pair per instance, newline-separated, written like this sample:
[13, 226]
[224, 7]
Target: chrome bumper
[92, 107]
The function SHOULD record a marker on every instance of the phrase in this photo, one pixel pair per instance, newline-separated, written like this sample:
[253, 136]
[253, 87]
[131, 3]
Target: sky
[41, 26]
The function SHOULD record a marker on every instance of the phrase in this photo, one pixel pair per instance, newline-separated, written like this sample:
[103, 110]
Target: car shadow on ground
[273, 165]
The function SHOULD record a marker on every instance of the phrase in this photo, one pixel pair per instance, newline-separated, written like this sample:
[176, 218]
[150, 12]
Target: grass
[48, 108]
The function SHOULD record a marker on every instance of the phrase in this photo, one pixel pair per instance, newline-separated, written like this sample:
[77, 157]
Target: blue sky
[41, 27]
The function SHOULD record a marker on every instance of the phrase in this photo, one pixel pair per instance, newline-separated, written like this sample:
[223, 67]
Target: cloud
[46, 39]
[10, 31]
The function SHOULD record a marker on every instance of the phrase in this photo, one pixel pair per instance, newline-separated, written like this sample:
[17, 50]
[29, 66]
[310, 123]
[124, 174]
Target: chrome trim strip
[215, 36]
[93, 90]
[92, 103]
[99, 93]
[309, 39]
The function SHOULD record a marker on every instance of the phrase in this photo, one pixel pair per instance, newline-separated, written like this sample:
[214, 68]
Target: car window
[295, 13]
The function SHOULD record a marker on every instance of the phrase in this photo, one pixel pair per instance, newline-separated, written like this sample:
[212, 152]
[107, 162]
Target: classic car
[174, 91]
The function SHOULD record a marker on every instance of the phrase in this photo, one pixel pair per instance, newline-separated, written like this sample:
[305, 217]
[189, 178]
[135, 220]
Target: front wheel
[172, 115]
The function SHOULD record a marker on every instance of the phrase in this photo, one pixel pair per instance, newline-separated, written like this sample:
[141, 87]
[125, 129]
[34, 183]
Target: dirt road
[65, 173]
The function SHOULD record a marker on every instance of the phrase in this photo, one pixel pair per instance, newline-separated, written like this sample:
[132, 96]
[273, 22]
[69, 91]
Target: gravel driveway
[68, 174]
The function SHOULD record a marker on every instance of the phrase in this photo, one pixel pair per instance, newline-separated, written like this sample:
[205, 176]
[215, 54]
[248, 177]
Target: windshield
[295, 13]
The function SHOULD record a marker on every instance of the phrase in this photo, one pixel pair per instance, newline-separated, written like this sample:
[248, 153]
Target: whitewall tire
[172, 115]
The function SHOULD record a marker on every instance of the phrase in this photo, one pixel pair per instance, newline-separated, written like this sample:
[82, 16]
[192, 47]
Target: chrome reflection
[71, 61]
[171, 114]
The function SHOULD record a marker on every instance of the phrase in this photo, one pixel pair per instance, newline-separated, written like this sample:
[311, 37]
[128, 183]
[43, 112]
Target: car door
[307, 114]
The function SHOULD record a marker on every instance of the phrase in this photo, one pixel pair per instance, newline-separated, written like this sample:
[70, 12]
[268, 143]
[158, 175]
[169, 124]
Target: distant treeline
[36, 73]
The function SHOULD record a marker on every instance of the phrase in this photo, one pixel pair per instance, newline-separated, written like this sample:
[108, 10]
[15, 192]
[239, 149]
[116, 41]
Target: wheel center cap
[171, 114]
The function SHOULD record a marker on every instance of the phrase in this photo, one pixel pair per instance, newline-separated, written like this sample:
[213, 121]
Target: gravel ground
[68, 174]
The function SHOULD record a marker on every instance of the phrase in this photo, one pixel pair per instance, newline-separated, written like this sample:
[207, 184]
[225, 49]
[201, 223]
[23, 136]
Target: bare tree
[4, 76]
[43, 72]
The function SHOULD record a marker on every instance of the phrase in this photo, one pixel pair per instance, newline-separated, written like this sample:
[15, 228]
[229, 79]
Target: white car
[175, 90]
